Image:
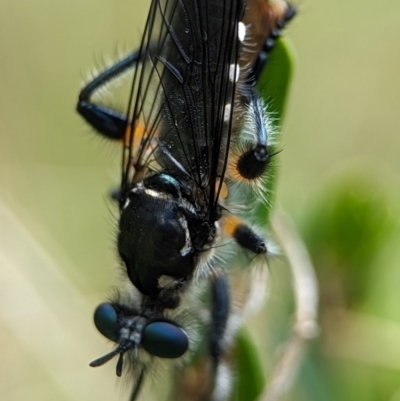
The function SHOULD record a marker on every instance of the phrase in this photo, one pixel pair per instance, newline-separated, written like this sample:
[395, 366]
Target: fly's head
[132, 330]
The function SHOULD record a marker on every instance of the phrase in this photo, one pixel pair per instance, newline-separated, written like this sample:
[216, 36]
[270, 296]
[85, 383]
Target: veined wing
[180, 106]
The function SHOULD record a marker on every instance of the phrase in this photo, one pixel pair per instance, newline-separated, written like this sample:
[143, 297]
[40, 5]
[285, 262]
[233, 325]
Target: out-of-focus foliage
[351, 232]
[250, 380]
[347, 229]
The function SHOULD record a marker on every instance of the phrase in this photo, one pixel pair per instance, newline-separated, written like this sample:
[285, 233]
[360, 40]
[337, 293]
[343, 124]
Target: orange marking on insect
[230, 224]
[261, 17]
[232, 171]
[224, 189]
[278, 8]
[138, 135]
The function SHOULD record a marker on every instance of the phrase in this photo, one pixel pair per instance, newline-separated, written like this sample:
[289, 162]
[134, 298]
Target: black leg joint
[253, 163]
[248, 239]
[107, 122]
[269, 45]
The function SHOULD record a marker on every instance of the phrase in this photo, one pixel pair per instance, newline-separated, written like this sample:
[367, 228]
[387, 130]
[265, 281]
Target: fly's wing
[182, 93]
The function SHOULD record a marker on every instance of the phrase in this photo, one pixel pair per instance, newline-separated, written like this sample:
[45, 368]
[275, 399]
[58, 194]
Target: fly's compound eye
[164, 339]
[106, 321]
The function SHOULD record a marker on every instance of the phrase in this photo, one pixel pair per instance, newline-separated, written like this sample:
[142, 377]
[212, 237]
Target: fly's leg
[104, 120]
[220, 308]
[253, 161]
[219, 315]
[209, 374]
[269, 44]
[243, 235]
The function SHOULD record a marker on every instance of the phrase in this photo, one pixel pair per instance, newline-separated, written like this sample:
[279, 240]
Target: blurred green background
[338, 178]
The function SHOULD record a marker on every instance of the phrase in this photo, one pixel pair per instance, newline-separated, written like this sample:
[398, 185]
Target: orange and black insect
[197, 143]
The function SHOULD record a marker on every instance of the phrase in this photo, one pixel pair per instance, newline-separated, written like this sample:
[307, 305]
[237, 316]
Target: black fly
[194, 132]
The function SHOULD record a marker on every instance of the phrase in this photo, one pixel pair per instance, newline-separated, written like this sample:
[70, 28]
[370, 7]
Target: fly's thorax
[160, 238]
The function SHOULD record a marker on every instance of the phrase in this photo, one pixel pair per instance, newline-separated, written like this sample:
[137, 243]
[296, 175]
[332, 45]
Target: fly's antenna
[121, 349]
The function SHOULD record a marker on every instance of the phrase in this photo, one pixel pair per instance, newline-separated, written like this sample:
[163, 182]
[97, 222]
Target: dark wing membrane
[182, 93]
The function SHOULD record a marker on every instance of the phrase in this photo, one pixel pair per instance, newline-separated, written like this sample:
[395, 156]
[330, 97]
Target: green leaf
[273, 86]
[250, 379]
[348, 227]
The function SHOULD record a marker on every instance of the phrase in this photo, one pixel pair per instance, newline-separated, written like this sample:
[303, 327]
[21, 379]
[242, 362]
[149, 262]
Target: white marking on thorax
[187, 248]
[241, 31]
